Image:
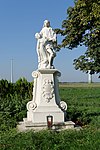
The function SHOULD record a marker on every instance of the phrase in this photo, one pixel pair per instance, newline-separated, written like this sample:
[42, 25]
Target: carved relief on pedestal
[63, 105]
[58, 74]
[31, 105]
[35, 74]
[48, 90]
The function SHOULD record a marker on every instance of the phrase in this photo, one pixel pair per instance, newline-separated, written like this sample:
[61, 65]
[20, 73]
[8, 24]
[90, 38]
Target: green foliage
[82, 27]
[13, 100]
[83, 105]
[5, 88]
[83, 108]
[46, 140]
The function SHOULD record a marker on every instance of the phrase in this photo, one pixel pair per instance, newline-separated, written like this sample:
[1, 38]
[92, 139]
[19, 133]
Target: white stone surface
[46, 41]
[26, 126]
[46, 100]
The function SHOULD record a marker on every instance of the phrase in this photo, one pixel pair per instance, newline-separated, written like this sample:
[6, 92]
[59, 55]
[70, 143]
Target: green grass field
[86, 85]
[83, 102]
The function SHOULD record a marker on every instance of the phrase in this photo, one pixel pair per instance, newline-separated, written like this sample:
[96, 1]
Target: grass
[47, 140]
[83, 104]
[83, 108]
[68, 84]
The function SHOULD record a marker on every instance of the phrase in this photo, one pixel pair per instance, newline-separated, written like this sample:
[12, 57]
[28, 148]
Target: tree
[82, 27]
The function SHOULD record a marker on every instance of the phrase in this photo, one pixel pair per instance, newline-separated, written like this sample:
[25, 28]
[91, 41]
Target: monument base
[41, 116]
[45, 103]
[46, 100]
[28, 125]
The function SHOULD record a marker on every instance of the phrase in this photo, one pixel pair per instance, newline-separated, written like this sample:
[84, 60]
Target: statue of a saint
[46, 40]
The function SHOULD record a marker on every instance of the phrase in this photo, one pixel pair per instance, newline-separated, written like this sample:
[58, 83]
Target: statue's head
[46, 23]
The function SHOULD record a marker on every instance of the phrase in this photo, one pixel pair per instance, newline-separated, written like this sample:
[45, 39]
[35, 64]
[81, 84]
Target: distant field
[79, 85]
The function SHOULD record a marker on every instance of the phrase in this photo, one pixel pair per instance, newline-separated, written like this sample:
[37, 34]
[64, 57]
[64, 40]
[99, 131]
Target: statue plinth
[46, 100]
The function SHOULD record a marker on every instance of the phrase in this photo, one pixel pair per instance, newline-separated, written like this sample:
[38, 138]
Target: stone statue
[46, 102]
[46, 41]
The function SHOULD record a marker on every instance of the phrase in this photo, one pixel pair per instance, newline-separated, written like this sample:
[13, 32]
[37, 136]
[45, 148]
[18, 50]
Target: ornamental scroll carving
[63, 105]
[35, 74]
[31, 105]
[48, 90]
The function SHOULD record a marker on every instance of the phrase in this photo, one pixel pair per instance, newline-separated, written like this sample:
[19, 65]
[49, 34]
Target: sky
[19, 21]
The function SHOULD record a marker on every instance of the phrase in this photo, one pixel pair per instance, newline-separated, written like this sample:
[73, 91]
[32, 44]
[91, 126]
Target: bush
[83, 109]
[13, 100]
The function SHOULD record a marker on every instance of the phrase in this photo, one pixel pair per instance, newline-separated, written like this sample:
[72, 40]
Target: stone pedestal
[46, 100]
